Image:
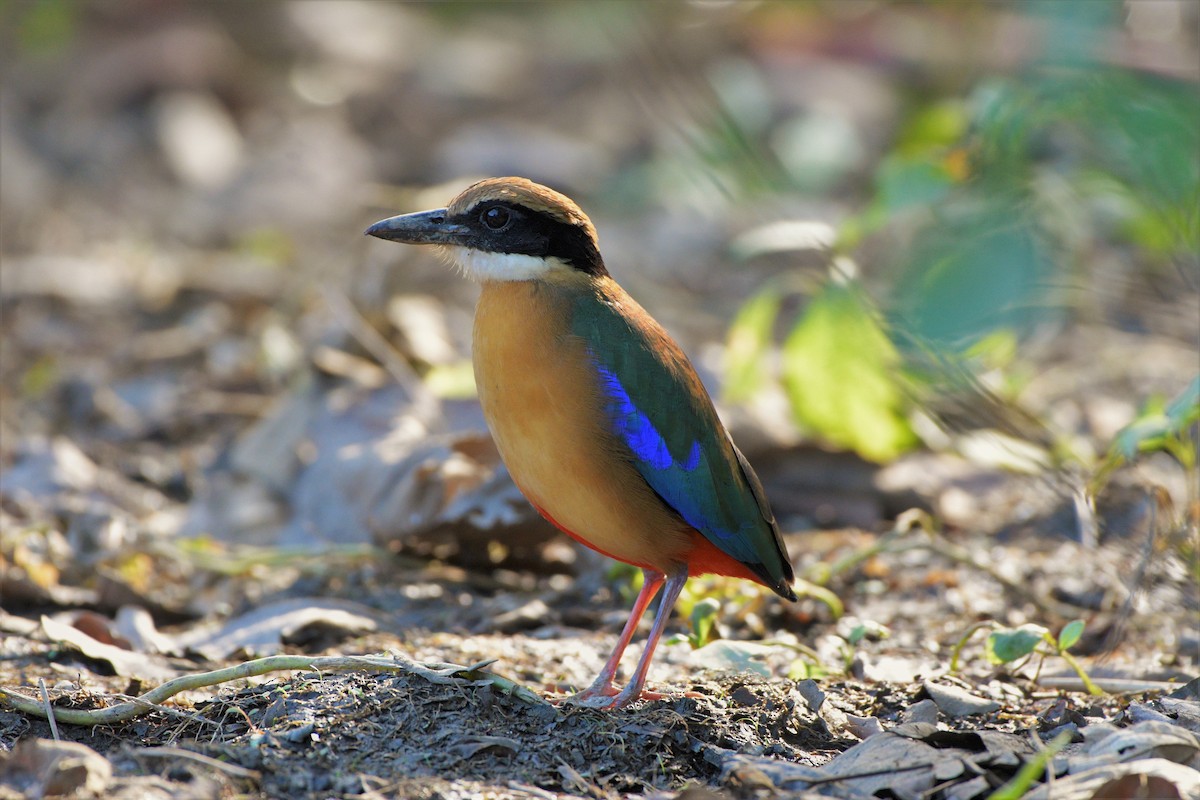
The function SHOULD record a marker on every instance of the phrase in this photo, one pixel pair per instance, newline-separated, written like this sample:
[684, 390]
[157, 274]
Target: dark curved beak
[423, 227]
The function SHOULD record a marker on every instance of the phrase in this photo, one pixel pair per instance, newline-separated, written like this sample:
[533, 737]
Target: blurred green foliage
[1001, 195]
[748, 343]
[1044, 167]
[43, 27]
[1163, 426]
[703, 622]
[837, 369]
[1160, 427]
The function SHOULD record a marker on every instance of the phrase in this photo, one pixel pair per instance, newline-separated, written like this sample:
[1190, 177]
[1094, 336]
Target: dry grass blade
[48, 709]
[178, 752]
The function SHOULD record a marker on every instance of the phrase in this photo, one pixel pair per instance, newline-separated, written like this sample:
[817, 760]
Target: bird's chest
[542, 398]
[536, 385]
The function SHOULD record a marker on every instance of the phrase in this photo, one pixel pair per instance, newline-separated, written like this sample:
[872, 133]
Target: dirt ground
[248, 498]
[438, 726]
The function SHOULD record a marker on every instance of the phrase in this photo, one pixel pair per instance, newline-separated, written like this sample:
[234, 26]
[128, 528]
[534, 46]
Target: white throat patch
[484, 266]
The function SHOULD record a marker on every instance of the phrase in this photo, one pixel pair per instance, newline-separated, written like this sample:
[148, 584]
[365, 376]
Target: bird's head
[504, 229]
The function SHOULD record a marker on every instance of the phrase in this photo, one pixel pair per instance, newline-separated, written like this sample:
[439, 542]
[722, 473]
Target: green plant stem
[826, 596]
[1031, 770]
[821, 574]
[1092, 688]
[966, 637]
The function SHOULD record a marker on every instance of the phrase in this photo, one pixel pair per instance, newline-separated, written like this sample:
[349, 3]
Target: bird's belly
[540, 398]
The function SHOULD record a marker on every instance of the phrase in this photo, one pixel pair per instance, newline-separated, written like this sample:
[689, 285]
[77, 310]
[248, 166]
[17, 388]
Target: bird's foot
[598, 695]
[609, 696]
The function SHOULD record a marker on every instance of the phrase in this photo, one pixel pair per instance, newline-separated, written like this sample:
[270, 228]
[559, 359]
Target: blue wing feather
[682, 476]
[656, 407]
[690, 472]
[635, 427]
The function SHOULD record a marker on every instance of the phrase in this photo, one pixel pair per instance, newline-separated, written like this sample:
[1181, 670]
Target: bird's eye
[496, 217]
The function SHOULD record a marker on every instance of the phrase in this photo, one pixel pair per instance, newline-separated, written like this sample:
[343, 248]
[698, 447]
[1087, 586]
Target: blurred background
[926, 254]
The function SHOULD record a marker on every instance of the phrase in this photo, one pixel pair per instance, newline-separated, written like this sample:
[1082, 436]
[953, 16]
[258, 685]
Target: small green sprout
[704, 623]
[1006, 645]
[806, 668]
[867, 630]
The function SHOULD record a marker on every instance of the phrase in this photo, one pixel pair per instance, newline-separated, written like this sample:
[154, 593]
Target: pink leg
[633, 690]
[603, 685]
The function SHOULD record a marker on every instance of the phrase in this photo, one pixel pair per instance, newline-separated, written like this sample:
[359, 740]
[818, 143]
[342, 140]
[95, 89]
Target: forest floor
[459, 690]
[234, 436]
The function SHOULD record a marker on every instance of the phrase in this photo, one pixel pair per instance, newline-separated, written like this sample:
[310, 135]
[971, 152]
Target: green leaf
[840, 371]
[1070, 634]
[867, 630]
[704, 620]
[996, 350]
[47, 27]
[1009, 644]
[1185, 409]
[40, 378]
[933, 127]
[1151, 429]
[981, 269]
[802, 669]
[906, 182]
[452, 381]
[747, 344]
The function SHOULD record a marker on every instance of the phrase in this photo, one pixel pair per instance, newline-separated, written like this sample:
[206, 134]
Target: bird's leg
[603, 685]
[633, 689]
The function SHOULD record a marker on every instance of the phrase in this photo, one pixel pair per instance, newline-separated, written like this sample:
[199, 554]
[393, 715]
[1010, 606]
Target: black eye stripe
[503, 227]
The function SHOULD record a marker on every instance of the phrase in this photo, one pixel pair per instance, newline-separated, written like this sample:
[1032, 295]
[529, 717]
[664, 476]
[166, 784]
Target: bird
[599, 416]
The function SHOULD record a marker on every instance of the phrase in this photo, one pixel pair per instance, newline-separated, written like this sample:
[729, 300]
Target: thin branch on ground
[394, 662]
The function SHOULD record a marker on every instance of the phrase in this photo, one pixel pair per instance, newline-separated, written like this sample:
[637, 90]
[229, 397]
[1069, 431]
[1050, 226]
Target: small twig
[122, 712]
[49, 709]
[199, 758]
[1108, 685]
[531, 791]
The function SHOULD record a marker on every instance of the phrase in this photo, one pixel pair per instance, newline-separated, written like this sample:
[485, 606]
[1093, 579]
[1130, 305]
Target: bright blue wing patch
[675, 479]
[636, 429]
